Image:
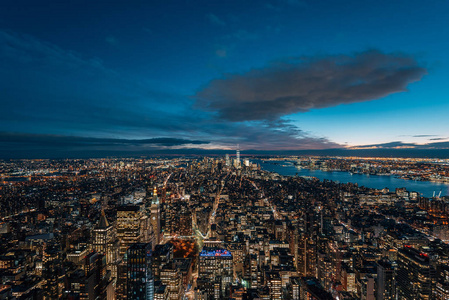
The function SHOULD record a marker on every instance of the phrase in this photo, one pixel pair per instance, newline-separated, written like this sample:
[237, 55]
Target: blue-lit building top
[214, 252]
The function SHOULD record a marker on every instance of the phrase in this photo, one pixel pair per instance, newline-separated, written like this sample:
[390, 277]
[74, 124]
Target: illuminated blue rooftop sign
[215, 252]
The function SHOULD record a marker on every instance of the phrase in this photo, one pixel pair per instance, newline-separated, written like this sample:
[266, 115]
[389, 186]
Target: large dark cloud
[301, 84]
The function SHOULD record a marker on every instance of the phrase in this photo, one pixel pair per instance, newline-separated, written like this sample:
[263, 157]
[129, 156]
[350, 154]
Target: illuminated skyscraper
[104, 242]
[156, 217]
[140, 281]
[102, 233]
[307, 245]
[237, 158]
[416, 276]
[128, 233]
[128, 226]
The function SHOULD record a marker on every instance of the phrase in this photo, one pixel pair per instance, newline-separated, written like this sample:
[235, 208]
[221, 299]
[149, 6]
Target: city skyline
[184, 75]
[205, 228]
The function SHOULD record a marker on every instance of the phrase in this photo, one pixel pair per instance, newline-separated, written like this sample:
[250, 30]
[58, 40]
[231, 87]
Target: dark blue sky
[213, 74]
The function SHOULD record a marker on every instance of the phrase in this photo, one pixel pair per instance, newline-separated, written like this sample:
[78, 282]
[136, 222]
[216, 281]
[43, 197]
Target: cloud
[402, 145]
[438, 139]
[215, 20]
[52, 141]
[24, 145]
[75, 100]
[389, 145]
[262, 135]
[305, 83]
[424, 135]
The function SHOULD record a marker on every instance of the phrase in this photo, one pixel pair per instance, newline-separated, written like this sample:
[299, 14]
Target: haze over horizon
[274, 75]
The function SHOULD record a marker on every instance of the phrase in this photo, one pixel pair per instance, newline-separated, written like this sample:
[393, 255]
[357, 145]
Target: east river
[426, 188]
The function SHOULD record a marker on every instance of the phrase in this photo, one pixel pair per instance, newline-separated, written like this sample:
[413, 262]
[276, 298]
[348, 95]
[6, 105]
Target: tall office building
[102, 234]
[128, 226]
[140, 281]
[307, 245]
[155, 217]
[104, 242]
[415, 276]
[237, 158]
[129, 232]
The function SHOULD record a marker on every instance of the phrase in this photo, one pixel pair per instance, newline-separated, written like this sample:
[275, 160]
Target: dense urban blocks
[215, 228]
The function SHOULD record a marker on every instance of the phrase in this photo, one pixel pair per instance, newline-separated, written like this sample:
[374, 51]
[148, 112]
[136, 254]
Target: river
[425, 188]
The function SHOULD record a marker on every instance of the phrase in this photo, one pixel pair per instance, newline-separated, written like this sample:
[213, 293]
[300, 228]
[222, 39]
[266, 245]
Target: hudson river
[426, 188]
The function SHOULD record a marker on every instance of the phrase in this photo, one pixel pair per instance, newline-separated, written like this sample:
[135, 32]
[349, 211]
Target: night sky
[138, 76]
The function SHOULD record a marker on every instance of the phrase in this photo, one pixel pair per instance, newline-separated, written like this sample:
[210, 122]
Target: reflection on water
[426, 188]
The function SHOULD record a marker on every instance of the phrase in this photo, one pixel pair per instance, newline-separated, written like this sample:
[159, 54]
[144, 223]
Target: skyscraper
[140, 281]
[128, 233]
[416, 275]
[102, 233]
[156, 217]
[104, 242]
[128, 226]
[237, 158]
